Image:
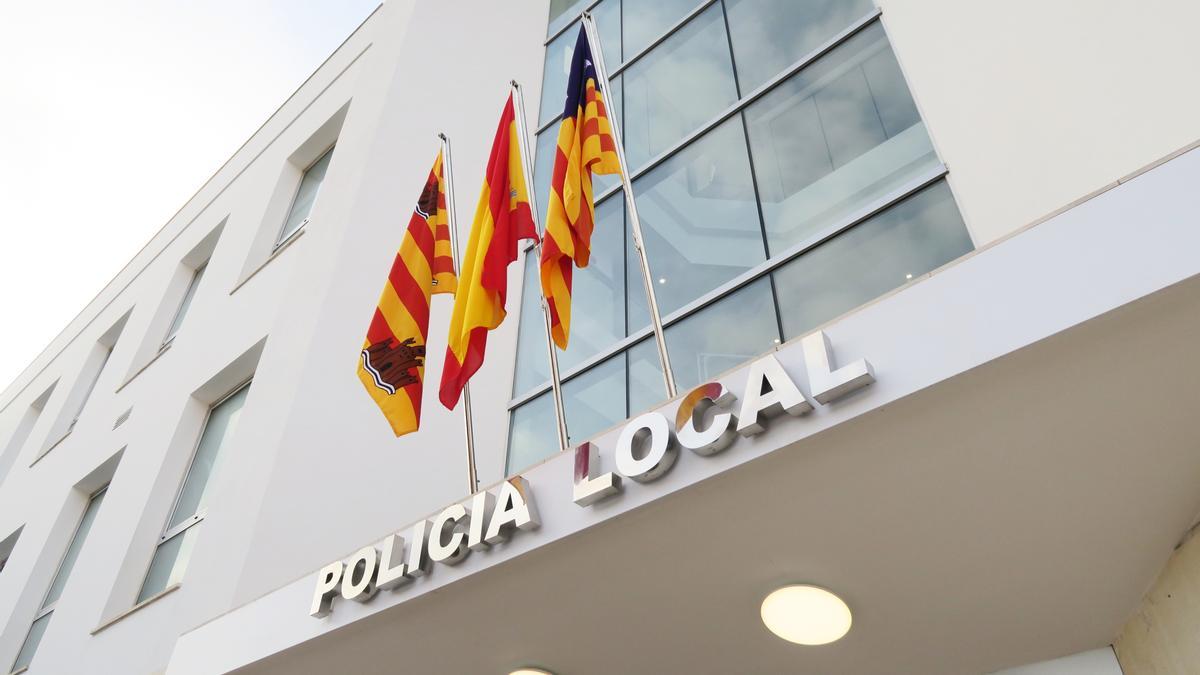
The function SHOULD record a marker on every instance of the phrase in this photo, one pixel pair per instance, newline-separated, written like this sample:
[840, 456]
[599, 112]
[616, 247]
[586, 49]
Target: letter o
[358, 582]
[654, 432]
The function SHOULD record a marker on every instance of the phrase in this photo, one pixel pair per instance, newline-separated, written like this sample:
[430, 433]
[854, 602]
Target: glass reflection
[699, 217]
[169, 563]
[598, 290]
[532, 436]
[723, 335]
[594, 400]
[532, 366]
[72, 554]
[646, 20]
[682, 83]
[917, 235]
[834, 137]
[32, 640]
[646, 388]
[222, 420]
[770, 35]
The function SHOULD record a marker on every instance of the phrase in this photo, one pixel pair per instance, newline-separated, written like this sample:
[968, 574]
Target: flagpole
[593, 38]
[560, 414]
[452, 220]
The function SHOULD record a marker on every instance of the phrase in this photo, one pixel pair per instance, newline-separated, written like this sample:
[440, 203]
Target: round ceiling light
[806, 615]
[530, 671]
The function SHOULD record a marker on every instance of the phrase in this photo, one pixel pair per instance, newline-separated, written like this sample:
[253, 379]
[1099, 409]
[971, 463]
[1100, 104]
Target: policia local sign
[709, 419]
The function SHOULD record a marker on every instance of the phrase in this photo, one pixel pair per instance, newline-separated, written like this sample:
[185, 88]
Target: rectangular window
[184, 304]
[783, 177]
[179, 536]
[90, 388]
[42, 620]
[306, 196]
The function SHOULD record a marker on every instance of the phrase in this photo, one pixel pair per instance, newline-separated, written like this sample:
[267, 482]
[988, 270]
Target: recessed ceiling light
[806, 615]
[662, 280]
[530, 671]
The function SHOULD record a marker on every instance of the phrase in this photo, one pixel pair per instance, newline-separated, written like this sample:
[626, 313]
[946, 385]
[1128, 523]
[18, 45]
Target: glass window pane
[834, 137]
[36, 631]
[595, 399]
[306, 195]
[72, 554]
[532, 367]
[532, 435]
[917, 235]
[222, 420]
[646, 388]
[770, 35]
[723, 335]
[646, 20]
[169, 563]
[558, 59]
[185, 303]
[598, 290]
[637, 313]
[700, 218]
[681, 84]
[563, 12]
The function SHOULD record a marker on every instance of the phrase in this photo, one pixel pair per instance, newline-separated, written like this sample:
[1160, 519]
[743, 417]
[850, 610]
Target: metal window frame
[908, 189]
[742, 103]
[194, 281]
[280, 239]
[773, 261]
[169, 531]
[48, 608]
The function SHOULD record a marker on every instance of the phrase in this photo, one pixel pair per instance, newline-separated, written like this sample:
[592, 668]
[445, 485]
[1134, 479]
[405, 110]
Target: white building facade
[958, 241]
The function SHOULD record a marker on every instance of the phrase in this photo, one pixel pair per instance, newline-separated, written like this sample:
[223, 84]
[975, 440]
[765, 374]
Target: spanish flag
[391, 365]
[585, 146]
[502, 219]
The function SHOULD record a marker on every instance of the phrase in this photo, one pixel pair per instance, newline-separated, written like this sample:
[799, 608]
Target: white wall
[1034, 104]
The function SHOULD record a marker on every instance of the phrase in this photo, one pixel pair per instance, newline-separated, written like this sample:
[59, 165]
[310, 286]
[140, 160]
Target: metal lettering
[783, 397]
[829, 385]
[589, 489]
[654, 432]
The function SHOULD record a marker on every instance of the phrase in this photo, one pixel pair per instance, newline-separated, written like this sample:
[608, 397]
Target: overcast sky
[112, 114]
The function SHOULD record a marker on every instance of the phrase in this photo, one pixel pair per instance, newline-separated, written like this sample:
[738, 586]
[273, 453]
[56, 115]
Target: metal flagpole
[452, 220]
[593, 37]
[560, 413]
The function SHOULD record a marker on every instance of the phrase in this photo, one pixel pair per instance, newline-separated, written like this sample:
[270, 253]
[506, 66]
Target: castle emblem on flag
[392, 365]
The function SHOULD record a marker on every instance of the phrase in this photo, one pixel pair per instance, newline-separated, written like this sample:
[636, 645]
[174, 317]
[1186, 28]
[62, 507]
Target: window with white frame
[191, 504]
[184, 304]
[34, 637]
[783, 176]
[306, 196]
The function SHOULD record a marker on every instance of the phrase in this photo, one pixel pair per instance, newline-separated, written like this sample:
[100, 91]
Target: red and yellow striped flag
[502, 219]
[585, 146]
[391, 365]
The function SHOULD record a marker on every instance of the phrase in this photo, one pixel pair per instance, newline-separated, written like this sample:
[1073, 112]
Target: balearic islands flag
[502, 219]
[585, 146]
[391, 365]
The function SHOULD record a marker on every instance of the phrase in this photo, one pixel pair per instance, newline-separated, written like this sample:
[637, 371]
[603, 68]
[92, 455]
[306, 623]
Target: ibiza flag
[585, 146]
[391, 365]
[502, 220]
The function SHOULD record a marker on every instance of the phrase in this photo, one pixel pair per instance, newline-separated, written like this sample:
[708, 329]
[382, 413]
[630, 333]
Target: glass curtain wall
[783, 177]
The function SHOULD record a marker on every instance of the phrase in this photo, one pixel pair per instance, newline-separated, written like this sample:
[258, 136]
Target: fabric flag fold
[585, 146]
[502, 219]
[392, 362]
